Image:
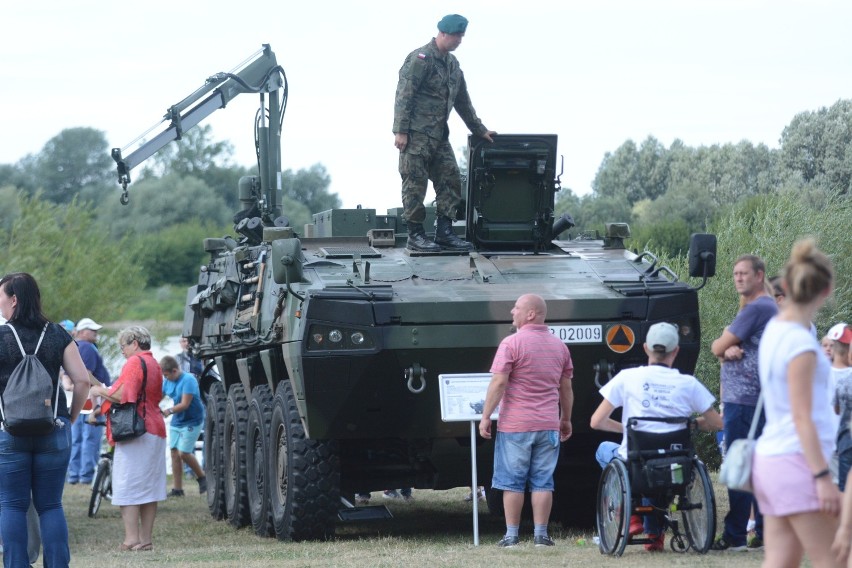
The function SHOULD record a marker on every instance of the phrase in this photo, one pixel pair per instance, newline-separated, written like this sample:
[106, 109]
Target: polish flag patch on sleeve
[421, 56]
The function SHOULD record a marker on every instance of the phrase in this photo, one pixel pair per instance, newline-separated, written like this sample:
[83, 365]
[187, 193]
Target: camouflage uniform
[430, 86]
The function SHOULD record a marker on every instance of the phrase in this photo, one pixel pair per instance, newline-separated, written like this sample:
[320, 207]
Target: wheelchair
[662, 467]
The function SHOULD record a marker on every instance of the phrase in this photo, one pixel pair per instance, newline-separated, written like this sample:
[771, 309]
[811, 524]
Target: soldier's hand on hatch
[400, 140]
[488, 135]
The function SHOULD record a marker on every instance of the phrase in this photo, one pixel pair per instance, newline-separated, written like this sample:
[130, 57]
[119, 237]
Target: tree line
[62, 220]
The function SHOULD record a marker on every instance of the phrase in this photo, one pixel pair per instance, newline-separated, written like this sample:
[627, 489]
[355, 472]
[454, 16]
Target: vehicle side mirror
[702, 255]
[286, 260]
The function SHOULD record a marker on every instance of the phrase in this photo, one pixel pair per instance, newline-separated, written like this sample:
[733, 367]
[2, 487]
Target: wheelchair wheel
[698, 508]
[613, 509]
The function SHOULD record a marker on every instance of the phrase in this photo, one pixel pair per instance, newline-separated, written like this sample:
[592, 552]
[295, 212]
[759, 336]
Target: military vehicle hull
[371, 405]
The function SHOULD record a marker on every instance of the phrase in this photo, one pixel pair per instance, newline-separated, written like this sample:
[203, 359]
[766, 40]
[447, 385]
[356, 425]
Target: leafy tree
[157, 203]
[75, 162]
[632, 173]
[9, 208]
[817, 146]
[174, 254]
[198, 155]
[310, 187]
[80, 268]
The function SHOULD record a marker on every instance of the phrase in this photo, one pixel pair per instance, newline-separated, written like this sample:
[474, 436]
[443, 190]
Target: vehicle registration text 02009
[578, 333]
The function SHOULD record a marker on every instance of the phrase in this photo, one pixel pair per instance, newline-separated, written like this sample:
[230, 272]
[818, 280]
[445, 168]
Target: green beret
[452, 24]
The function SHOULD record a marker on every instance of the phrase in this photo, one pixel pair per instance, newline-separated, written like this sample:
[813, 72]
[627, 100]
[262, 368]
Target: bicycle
[102, 485]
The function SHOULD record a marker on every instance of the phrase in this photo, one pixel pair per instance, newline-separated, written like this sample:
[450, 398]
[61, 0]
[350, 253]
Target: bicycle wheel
[101, 487]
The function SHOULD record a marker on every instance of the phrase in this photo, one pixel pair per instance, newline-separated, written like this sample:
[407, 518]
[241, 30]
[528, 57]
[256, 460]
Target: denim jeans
[34, 465]
[737, 422]
[608, 451]
[85, 451]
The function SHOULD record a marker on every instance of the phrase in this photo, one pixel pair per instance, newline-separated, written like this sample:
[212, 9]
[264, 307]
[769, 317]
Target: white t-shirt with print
[782, 341]
[655, 391]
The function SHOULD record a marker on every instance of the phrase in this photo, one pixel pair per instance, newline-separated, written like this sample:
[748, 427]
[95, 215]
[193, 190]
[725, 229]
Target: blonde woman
[800, 508]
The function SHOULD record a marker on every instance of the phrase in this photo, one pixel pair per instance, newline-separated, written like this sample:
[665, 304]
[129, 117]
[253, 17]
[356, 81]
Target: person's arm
[601, 418]
[496, 388]
[77, 372]
[710, 420]
[566, 403]
[185, 401]
[411, 76]
[843, 536]
[721, 348]
[800, 380]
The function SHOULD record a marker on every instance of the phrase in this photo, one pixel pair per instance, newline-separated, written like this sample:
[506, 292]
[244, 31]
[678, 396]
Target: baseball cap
[662, 337]
[840, 332]
[68, 325]
[88, 323]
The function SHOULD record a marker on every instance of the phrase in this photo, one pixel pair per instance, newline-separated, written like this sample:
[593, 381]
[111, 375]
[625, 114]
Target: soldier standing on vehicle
[739, 384]
[531, 382]
[431, 84]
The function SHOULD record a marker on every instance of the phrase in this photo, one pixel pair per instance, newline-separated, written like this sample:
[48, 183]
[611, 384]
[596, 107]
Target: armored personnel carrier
[329, 339]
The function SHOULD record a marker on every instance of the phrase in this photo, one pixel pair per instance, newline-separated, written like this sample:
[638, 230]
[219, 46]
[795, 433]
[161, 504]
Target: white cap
[840, 332]
[87, 323]
[662, 337]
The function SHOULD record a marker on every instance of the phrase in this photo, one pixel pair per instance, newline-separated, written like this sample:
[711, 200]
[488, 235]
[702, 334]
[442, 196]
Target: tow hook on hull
[602, 368]
[416, 373]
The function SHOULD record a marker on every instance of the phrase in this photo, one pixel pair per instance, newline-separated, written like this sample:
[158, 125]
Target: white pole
[474, 490]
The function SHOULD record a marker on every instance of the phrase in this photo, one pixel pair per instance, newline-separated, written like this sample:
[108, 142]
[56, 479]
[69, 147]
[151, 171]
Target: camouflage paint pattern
[430, 85]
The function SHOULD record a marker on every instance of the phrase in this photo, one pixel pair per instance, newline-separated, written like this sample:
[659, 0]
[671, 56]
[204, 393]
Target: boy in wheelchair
[659, 400]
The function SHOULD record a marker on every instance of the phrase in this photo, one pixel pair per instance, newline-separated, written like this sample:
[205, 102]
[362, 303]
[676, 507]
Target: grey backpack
[25, 406]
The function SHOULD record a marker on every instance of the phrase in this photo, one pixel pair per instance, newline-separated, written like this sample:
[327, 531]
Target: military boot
[447, 239]
[418, 241]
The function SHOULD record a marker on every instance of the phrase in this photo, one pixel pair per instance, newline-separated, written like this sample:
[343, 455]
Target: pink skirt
[784, 485]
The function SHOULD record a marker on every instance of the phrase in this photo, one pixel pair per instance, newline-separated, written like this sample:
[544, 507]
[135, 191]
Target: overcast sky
[595, 72]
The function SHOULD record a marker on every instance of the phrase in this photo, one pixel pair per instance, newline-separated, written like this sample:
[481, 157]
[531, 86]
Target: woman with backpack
[35, 463]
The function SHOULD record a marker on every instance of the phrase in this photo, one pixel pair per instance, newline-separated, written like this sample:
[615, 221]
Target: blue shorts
[525, 460]
[183, 438]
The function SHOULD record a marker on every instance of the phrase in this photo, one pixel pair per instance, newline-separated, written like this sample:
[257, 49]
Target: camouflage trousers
[427, 159]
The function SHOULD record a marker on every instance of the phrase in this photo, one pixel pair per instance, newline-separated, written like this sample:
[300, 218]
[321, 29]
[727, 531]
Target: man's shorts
[184, 437]
[525, 459]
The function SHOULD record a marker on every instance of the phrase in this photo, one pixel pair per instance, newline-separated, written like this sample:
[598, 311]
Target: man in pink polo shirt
[531, 382]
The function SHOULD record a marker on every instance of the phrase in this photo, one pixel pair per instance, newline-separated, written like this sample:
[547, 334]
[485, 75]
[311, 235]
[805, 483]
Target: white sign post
[462, 399]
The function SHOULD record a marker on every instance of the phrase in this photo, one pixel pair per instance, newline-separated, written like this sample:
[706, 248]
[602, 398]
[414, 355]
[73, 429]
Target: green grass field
[434, 530]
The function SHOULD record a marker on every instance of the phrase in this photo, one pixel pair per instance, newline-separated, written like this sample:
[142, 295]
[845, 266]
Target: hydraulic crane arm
[259, 74]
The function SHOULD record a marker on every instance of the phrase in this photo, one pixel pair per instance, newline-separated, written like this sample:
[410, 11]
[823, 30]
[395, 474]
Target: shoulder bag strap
[756, 419]
[143, 396]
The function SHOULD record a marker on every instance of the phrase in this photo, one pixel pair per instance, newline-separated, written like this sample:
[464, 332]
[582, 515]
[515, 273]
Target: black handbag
[125, 422]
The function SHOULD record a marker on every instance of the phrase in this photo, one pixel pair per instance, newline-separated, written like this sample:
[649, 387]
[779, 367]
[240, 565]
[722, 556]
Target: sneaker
[508, 542]
[202, 485]
[722, 544]
[176, 493]
[391, 494]
[657, 543]
[543, 540]
[755, 543]
[482, 494]
[636, 526]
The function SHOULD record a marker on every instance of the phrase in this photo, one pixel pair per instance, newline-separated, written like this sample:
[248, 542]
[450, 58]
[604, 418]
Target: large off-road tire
[305, 475]
[214, 420]
[257, 454]
[234, 457]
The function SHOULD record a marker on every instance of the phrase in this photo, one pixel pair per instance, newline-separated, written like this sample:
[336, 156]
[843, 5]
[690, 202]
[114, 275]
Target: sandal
[143, 547]
[127, 547]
